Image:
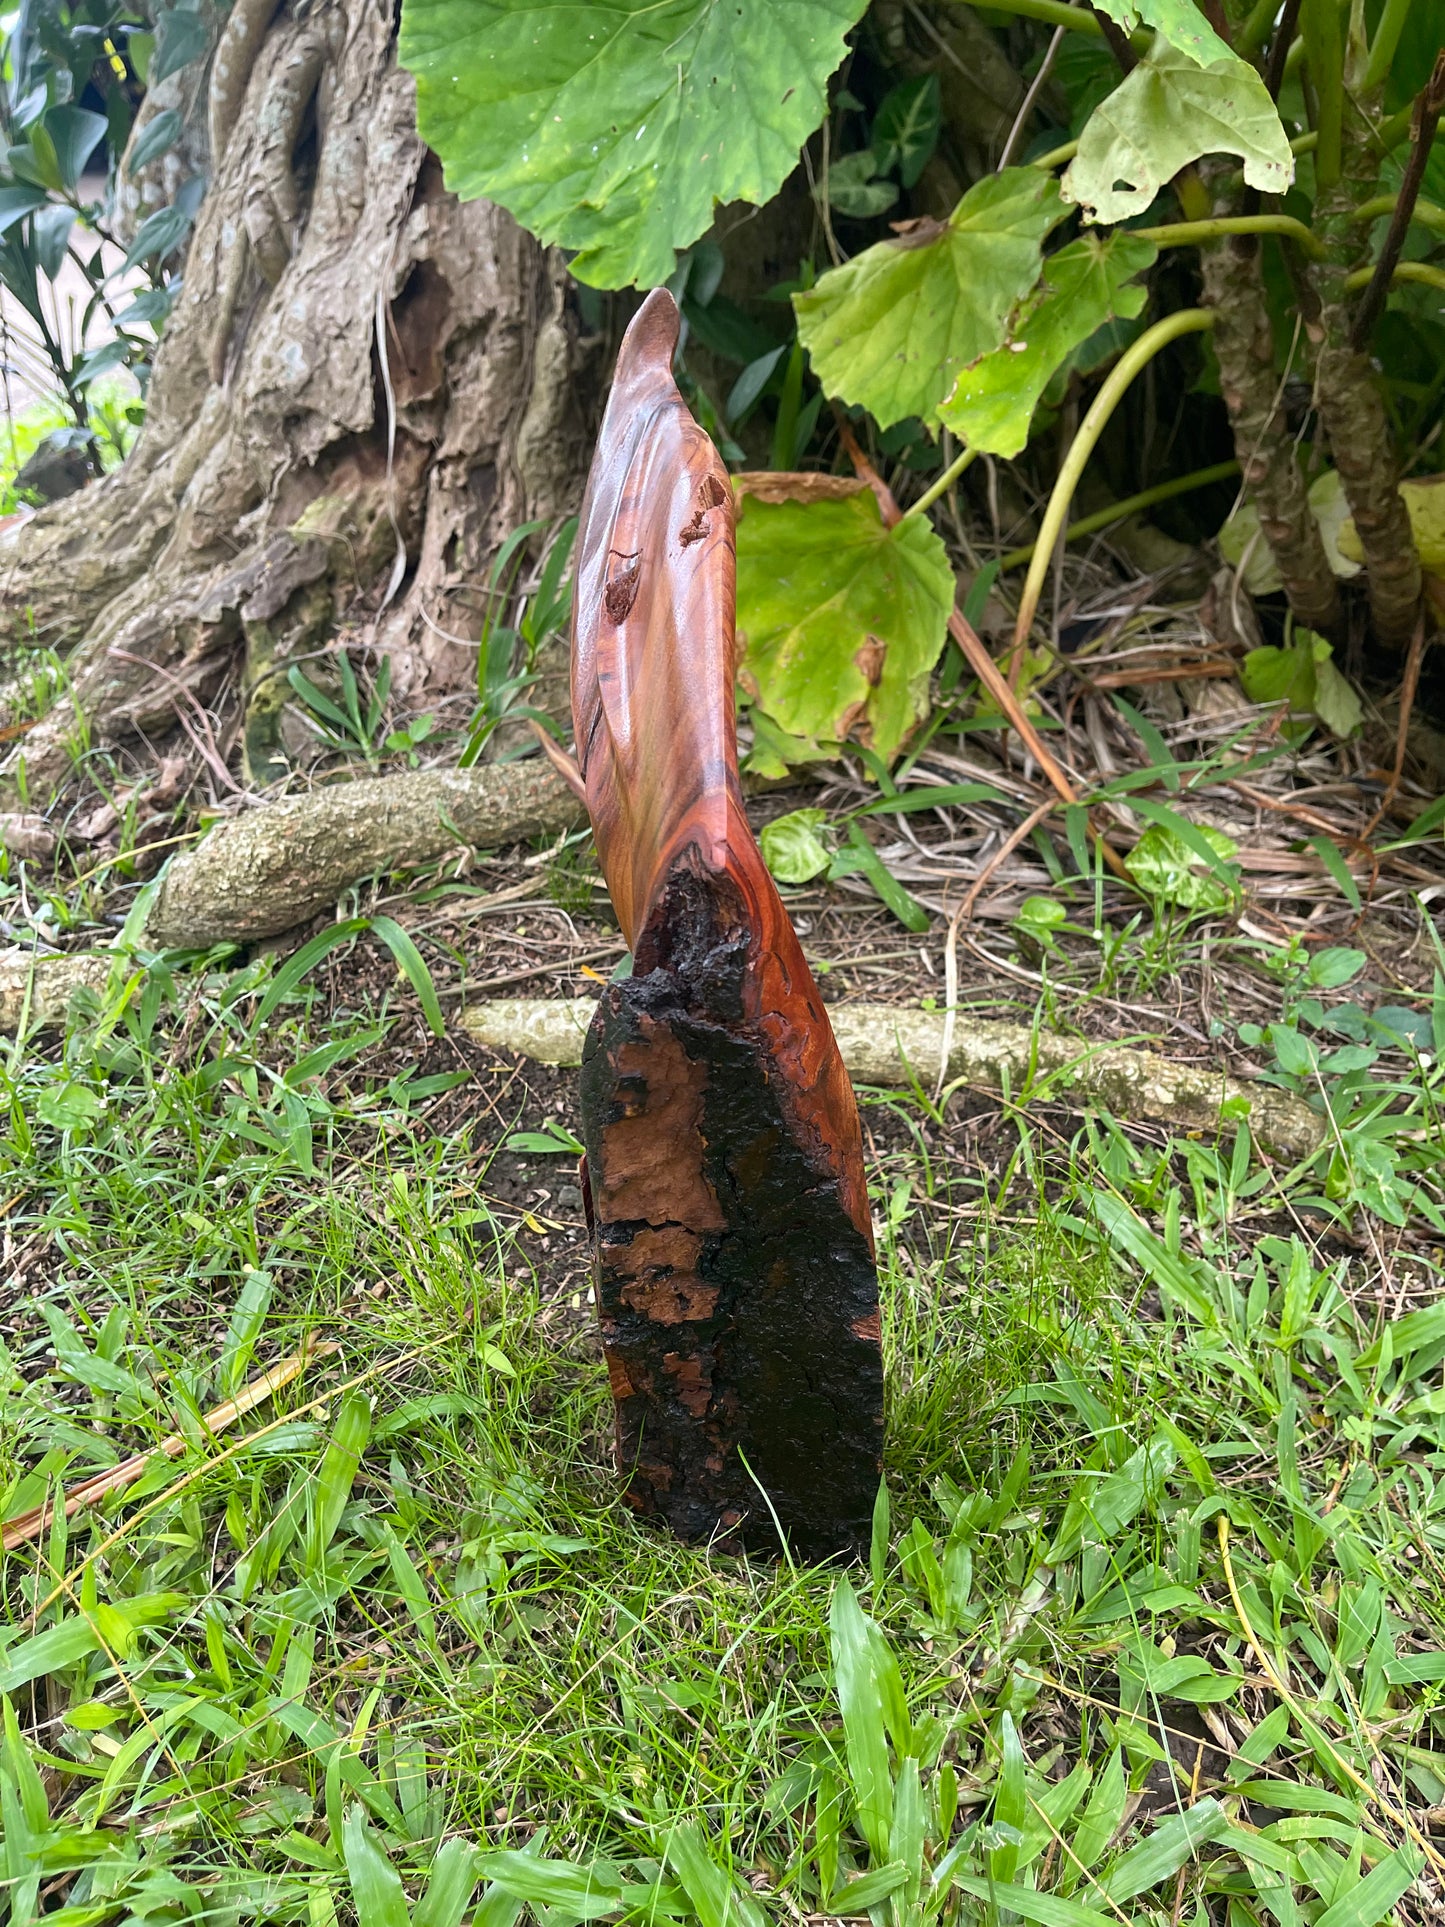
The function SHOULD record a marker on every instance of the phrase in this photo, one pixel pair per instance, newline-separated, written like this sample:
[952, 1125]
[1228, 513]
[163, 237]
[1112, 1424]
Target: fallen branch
[39, 989]
[885, 1045]
[29, 1525]
[275, 867]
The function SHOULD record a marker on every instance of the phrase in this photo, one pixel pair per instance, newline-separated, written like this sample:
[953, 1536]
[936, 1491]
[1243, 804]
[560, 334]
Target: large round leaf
[1167, 113]
[840, 620]
[891, 328]
[614, 129]
[1084, 285]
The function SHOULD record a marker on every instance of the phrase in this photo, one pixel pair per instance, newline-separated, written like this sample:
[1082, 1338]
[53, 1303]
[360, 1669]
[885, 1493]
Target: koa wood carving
[724, 1176]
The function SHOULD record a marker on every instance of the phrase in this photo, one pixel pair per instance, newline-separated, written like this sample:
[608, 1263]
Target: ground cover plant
[1151, 1625]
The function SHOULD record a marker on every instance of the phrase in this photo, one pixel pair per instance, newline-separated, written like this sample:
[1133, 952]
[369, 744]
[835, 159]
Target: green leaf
[1373, 1897]
[1180, 22]
[1336, 704]
[864, 1892]
[1099, 1821]
[587, 1893]
[864, 1735]
[1164, 115]
[375, 1884]
[76, 133]
[16, 202]
[62, 1645]
[157, 137]
[840, 620]
[181, 37]
[616, 130]
[1047, 1910]
[717, 1899]
[905, 128]
[413, 966]
[1101, 1508]
[554, 1141]
[859, 854]
[1083, 286]
[792, 847]
[1165, 863]
[68, 1107]
[1165, 1851]
[449, 1891]
[295, 968]
[338, 1467]
[851, 186]
[247, 1318]
[892, 328]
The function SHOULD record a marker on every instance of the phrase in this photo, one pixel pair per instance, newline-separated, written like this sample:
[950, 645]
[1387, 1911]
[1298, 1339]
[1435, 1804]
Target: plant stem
[1182, 234]
[1135, 357]
[1130, 505]
[1056, 156]
[1422, 271]
[1056, 13]
[1280, 48]
[1428, 106]
[945, 482]
[1255, 30]
[1252, 391]
[1427, 213]
[1387, 38]
[1352, 410]
[1320, 22]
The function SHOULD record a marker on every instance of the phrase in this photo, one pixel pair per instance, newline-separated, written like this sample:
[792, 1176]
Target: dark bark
[1244, 346]
[737, 1296]
[1351, 407]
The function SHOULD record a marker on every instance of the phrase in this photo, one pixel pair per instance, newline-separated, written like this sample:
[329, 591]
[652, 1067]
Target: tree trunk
[363, 387]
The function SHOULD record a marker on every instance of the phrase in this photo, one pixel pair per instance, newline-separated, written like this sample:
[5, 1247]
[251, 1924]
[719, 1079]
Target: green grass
[391, 1650]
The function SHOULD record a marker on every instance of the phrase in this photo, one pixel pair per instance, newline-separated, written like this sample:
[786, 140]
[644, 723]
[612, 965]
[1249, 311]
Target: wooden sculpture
[724, 1175]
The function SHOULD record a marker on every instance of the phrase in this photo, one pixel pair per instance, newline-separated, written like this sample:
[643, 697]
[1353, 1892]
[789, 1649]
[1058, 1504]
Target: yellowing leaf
[891, 328]
[840, 620]
[1164, 115]
[1425, 501]
[1242, 544]
[1083, 286]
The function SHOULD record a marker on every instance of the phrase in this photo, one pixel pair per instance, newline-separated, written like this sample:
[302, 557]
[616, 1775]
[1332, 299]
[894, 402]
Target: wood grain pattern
[736, 1285]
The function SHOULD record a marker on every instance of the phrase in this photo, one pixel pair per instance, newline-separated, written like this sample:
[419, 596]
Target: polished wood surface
[736, 1286]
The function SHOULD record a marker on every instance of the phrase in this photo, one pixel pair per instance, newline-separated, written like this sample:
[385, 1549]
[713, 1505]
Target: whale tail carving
[736, 1285]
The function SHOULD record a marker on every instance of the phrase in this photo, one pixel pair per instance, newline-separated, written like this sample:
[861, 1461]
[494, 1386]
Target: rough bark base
[737, 1300]
[1351, 407]
[1244, 346]
[363, 387]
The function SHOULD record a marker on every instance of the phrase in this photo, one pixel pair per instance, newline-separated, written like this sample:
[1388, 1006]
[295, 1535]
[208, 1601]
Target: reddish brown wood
[736, 1285]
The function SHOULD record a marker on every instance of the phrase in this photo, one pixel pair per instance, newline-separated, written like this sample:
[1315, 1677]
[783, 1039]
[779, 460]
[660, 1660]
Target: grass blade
[413, 965]
[375, 1884]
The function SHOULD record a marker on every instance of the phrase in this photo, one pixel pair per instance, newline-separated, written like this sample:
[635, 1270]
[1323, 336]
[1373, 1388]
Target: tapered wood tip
[651, 340]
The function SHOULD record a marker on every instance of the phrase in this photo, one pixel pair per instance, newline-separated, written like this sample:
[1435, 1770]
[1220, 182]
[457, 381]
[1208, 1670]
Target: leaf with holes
[1084, 285]
[615, 131]
[840, 620]
[892, 328]
[1164, 115]
[1180, 22]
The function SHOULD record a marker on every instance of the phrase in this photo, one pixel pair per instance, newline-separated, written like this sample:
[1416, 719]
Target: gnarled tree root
[266, 871]
[885, 1045]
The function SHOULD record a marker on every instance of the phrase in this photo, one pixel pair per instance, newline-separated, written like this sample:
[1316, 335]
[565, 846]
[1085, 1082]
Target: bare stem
[1428, 106]
[1135, 357]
